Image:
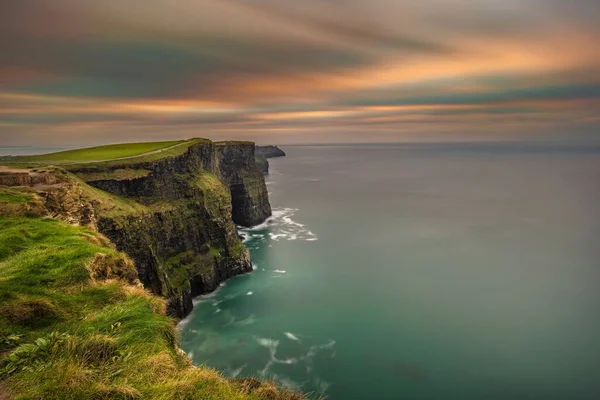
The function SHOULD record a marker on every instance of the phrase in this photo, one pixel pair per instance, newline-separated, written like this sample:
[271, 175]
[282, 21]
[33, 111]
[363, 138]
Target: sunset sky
[281, 71]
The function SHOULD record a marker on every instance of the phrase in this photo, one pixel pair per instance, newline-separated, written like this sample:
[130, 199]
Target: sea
[418, 271]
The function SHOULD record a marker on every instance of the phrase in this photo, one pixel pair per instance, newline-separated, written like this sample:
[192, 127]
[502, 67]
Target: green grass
[14, 196]
[96, 159]
[76, 324]
[19, 201]
[170, 152]
[100, 153]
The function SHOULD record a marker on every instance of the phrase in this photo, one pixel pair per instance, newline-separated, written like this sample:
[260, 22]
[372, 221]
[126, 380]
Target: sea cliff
[175, 215]
[75, 321]
[264, 152]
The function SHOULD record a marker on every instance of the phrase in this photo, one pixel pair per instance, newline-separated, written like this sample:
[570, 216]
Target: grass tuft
[112, 266]
[31, 312]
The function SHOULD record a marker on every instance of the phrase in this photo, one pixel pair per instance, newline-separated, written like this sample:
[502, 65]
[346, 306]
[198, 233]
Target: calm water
[418, 272]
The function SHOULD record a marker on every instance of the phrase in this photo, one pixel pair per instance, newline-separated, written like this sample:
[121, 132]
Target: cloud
[238, 66]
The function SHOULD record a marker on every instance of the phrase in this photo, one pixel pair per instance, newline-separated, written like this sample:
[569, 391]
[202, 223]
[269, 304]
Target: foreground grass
[76, 324]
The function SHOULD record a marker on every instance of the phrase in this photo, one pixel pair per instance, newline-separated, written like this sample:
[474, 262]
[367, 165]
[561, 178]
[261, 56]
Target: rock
[237, 167]
[176, 220]
[270, 151]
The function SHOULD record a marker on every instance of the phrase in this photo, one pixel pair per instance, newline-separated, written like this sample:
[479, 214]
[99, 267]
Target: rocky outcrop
[264, 152]
[270, 151]
[175, 216]
[25, 177]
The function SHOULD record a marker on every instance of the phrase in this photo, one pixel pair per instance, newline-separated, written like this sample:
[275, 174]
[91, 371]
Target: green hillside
[76, 324]
[114, 154]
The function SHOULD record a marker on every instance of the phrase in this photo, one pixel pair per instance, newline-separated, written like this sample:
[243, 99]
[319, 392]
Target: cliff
[172, 212]
[75, 321]
[270, 151]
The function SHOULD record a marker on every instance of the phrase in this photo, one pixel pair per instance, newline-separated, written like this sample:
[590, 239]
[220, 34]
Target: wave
[234, 373]
[291, 336]
[280, 226]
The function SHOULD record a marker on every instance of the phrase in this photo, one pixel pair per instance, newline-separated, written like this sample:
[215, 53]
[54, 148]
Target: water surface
[463, 271]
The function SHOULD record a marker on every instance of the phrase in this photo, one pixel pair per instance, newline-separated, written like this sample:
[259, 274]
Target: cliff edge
[75, 321]
[173, 209]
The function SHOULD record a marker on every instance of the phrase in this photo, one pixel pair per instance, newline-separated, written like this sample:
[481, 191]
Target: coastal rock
[175, 216]
[236, 167]
[269, 151]
[264, 152]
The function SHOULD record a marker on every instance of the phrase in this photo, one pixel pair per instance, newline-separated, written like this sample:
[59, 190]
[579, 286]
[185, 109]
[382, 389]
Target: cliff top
[109, 154]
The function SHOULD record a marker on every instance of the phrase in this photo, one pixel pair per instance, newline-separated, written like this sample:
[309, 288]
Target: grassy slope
[74, 324]
[111, 155]
[99, 153]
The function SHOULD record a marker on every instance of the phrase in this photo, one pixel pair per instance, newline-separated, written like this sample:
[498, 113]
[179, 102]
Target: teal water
[464, 271]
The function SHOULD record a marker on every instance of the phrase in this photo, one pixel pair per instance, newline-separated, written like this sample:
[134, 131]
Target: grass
[19, 201]
[14, 196]
[76, 324]
[115, 155]
[100, 153]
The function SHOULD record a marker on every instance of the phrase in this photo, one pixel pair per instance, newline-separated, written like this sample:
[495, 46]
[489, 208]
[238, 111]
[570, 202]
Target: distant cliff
[270, 151]
[264, 152]
[173, 214]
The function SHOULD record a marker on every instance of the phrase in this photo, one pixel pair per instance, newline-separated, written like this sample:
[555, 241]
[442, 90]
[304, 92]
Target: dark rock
[269, 151]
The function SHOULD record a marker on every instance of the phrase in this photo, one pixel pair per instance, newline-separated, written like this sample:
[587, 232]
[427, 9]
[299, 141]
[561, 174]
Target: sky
[76, 72]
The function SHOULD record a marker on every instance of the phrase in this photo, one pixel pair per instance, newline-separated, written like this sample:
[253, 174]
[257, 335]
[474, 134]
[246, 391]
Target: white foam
[281, 225]
[323, 386]
[184, 322]
[279, 271]
[287, 361]
[250, 293]
[237, 371]
[291, 336]
[266, 342]
[290, 384]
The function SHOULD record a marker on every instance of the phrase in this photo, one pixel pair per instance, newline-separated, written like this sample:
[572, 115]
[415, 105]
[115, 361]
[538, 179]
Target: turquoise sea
[418, 271]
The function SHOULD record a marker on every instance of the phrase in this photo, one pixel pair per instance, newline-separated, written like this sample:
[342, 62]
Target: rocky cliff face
[236, 166]
[174, 216]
